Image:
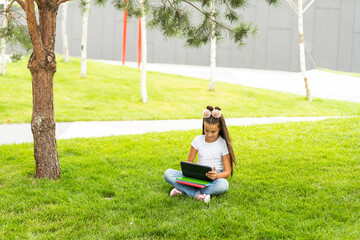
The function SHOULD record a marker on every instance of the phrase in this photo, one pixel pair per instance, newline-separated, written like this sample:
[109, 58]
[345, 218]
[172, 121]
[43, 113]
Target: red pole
[124, 39]
[139, 44]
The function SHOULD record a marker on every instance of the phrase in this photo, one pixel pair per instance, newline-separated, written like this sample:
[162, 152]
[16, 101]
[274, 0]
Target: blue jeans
[218, 186]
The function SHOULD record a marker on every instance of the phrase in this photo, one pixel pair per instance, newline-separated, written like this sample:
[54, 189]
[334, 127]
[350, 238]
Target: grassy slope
[293, 181]
[340, 72]
[113, 93]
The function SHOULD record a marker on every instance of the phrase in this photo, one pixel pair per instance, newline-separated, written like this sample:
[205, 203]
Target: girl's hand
[212, 174]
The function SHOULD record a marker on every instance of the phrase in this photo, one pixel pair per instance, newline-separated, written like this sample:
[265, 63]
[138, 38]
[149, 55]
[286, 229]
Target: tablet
[197, 171]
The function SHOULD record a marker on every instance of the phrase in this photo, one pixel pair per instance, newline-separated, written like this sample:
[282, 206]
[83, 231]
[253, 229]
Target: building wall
[332, 36]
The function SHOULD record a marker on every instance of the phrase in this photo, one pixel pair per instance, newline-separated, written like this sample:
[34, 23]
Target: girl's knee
[222, 185]
[226, 182]
[169, 171]
[167, 174]
[219, 186]
[170, 174]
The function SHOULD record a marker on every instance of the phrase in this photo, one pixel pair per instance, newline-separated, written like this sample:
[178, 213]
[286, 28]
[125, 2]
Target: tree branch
[9, 6]
[225, 27]
[7, 10]
[228, 7]
[308, 6]
[61, 1]
[198, 32]
[292, 5]
[33, 28]
[20, 2]
[172, 6]
[193, 6]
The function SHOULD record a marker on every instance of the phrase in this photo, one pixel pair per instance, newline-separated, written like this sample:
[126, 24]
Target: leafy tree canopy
[189, 19]
[15, 32]
[192, 19]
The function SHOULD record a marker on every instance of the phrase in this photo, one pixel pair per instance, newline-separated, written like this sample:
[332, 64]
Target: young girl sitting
[215, 150]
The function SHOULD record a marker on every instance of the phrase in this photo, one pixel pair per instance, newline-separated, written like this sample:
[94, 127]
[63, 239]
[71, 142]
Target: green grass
[113, 93]
[293, 181]
[340, 72]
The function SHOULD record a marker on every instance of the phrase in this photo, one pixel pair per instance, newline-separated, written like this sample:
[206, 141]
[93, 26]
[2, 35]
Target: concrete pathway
[322, 84]
[21, 133]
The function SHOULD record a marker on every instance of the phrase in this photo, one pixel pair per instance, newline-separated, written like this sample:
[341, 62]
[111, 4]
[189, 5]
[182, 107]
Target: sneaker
[203, 197]
[175, 192]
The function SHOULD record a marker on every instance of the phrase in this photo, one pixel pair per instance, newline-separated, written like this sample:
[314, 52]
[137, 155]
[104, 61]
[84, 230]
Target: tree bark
[212, 48]
[42, 65]
[143, 59]
[302, 48]
[84, 34]
[3, 43]
[64, 32]
[43, 118]
[143, 55]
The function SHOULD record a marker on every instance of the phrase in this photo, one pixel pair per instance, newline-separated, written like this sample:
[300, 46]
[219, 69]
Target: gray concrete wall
[332, 35]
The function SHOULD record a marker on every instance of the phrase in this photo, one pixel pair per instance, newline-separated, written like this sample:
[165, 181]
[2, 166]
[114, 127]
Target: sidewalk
[21, 133]
[322, 84]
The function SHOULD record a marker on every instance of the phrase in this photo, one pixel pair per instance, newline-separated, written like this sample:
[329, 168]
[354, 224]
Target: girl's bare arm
[192, 154]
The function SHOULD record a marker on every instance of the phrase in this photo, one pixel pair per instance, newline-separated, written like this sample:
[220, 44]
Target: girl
[215, 150]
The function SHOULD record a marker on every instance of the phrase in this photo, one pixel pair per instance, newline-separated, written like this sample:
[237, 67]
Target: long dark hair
[224, 133]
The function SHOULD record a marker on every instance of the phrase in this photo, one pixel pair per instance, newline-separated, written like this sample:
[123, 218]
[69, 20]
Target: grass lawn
[293, 181]
[113, 93]
[339, 72]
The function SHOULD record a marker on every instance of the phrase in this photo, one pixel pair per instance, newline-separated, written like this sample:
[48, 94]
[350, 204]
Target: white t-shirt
[210, 154]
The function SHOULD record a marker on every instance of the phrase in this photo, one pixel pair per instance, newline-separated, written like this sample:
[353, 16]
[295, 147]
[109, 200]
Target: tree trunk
[42, 66]
[143, 57]
[302, 47]
[84, 38]
[43, 118]
[64, 32]
[3, 43]
[212, 48]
